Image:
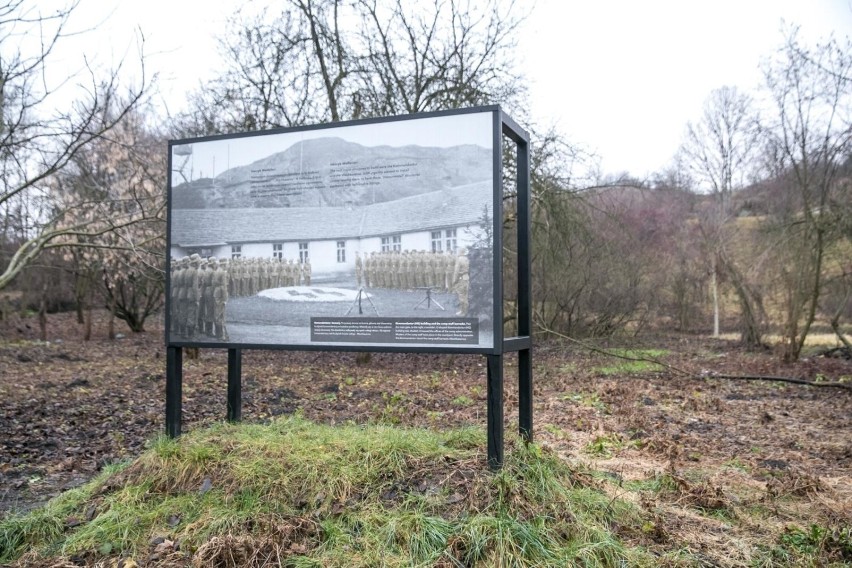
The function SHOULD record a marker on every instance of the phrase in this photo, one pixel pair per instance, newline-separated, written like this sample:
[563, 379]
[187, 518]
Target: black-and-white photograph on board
[366, 234]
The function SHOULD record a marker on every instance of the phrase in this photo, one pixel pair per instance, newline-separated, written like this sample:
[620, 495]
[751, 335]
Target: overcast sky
[620, 77]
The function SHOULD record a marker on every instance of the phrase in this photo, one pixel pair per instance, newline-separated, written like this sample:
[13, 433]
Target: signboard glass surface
[370, 234]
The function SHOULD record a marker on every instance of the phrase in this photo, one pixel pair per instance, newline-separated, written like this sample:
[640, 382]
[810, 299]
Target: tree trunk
[81, 317]
[111, 325]
[751, 307]
[790, 339]
[87, 330]
[42, 313]
[835, 322]
[751, 334]
[136, 325]
[803, 296]
[714, 290]
[82, 287]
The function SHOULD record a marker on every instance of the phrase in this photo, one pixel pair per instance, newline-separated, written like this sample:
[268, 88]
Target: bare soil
[70, 406]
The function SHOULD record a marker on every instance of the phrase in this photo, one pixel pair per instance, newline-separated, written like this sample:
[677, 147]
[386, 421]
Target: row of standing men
[406, 270]
[410, 269]
[198, 293]
[248, 276]
[200, 287]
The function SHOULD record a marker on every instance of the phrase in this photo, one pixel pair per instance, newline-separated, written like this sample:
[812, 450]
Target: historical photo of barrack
[365, 234]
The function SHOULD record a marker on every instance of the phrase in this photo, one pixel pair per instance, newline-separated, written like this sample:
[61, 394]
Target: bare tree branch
[39, 139]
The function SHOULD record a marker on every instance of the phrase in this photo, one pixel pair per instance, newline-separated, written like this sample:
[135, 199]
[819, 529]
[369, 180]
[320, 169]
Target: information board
[364, 234]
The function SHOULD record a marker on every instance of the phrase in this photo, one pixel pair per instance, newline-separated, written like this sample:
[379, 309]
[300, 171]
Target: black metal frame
[502, 125]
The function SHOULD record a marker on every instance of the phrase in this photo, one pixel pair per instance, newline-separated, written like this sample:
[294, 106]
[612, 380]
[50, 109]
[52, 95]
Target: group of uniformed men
[248, 276]
[199, 291]
[410, 269]
[200, 287]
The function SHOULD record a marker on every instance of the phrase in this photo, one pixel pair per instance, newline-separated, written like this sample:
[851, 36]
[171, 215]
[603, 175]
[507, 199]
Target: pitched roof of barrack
[457, 206]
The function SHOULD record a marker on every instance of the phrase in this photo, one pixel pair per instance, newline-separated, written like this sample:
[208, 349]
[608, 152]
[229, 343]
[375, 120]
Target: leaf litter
[71, 407]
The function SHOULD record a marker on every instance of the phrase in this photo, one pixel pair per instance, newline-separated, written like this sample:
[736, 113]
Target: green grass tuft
[626, 366]
[350, 495]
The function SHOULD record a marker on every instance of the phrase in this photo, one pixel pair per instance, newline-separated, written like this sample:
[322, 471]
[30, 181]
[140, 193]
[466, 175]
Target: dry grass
[826, 340]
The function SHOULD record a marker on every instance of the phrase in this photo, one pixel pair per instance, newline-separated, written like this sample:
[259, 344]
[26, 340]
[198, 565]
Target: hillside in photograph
[334, 172]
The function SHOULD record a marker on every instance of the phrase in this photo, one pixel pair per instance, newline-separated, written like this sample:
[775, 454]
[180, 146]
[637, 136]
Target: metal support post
[525, 395]
[174, 390]
[235, 385]
[495, 411]
[525, 379]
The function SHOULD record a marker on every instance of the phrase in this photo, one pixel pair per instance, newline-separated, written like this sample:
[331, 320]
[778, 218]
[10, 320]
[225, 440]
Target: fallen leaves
[69, 408]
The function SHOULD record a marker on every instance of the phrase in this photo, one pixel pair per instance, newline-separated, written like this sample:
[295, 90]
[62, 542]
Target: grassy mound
[297, 493]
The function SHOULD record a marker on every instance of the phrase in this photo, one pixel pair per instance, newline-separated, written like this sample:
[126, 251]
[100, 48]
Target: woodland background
[746, 233]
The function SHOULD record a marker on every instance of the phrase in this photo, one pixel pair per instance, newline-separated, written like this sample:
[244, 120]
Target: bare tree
[719, 147]
[122, 176]
[41, 133]
[838, 300]
[809, 137]
[329, 60]
[436, 56]
[718, 150]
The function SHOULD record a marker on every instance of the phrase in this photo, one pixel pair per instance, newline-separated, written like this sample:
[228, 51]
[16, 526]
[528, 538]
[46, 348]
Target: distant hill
[334, 172]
